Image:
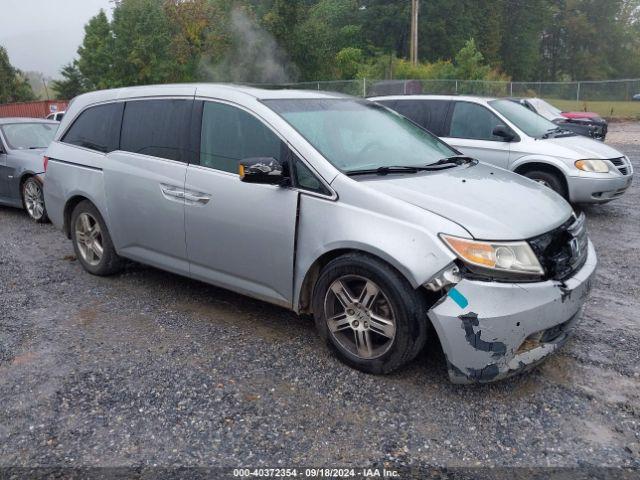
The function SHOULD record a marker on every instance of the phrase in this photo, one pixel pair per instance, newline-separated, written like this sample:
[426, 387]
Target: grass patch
[611, 110]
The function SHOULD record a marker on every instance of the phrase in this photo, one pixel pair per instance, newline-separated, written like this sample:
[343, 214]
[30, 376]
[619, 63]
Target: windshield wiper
[386, 170]
[441, 164]
[453, 160]
[558, 131]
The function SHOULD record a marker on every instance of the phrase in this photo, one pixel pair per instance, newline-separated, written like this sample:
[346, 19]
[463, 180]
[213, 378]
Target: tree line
[14, 86]
[275, 41]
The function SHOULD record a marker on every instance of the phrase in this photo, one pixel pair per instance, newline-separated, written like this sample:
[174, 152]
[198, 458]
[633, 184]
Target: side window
[97, 128]
[414, 110]
[230, 134]
[306, 180]
[429, 114]
[158, 128]
[388, 103]
[473, 121]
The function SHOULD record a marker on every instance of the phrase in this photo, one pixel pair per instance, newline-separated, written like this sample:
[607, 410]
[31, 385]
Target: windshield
[546, 109]
[529, 122]
[357, 134]
[21, 136]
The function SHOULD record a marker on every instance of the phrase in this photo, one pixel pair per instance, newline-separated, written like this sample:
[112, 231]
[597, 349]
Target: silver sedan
[22, 145]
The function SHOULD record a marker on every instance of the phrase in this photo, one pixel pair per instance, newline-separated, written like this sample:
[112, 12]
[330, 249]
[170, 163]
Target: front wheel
[548, 179]
[33, 200]
[368, 314]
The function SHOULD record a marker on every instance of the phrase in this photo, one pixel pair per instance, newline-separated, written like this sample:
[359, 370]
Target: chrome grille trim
[622, 164]
[564, 250]
[578, 230]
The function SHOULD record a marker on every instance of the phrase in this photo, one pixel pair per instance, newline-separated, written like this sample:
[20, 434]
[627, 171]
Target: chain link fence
[608, 97]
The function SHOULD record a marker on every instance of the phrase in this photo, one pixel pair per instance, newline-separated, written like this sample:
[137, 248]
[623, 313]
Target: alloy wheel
[360, 317]
[89, 238]
[33, 200]
[542, 182]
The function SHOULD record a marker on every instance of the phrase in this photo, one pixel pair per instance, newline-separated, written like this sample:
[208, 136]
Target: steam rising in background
[254, 57]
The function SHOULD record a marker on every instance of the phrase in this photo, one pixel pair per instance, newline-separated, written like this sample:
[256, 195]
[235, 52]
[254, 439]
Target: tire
[385, 348]
[548, 179]
[33, 200]
[93, 246]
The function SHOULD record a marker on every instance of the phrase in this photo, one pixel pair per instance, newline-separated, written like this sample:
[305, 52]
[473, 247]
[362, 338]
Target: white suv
[508, 135]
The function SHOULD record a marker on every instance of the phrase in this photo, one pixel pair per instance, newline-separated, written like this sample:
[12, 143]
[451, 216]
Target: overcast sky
[43, 35]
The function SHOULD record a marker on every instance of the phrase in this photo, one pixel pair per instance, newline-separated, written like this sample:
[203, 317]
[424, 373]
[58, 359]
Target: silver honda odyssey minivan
[328, 205]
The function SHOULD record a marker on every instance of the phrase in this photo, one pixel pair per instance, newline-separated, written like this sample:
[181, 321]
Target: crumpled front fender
[506, 327]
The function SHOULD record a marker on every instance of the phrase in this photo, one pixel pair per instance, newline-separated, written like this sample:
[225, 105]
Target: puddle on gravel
[605, 385]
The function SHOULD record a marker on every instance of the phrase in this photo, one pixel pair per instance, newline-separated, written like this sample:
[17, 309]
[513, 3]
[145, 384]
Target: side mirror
[265, 170]
[503, 132]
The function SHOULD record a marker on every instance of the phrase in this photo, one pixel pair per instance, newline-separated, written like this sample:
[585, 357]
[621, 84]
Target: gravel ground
[148, 368]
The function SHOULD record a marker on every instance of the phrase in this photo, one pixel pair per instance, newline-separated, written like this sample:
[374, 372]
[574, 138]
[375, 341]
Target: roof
[7, 120]
[204, 89]
[268, 94]
[473, 98]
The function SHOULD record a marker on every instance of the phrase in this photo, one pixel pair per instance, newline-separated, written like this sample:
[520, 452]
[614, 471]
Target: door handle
[201, 198]
[171, 192]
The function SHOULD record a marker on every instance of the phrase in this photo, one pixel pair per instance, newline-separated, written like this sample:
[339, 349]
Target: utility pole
[46, 89]
[415, 8]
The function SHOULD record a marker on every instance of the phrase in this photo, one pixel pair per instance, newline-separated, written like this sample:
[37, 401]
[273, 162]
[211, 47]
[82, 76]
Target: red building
[32, 109]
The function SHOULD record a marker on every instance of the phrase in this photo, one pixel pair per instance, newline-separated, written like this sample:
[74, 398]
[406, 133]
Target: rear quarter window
[96, 128]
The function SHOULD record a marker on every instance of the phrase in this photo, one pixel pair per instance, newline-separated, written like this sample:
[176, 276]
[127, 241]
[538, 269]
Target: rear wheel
[33, 200]
[92, 242]
[548, 179]
[368, 314]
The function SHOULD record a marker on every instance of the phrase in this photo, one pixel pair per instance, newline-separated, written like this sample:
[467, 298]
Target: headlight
[514, 258]
[598, 166]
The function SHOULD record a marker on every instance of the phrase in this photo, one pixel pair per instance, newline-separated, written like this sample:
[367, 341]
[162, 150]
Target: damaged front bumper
[506, 328]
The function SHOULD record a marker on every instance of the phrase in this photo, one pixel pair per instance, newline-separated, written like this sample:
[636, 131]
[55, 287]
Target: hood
[490, 203]
[28, 153]
[580, 115]
[576, 147]
[30, 160]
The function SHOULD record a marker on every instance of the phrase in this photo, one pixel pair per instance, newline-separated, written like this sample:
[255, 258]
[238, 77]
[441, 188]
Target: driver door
[239, 235]
[471, 131]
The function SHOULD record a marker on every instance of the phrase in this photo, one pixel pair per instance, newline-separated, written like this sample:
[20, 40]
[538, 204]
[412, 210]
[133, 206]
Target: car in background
[636, 97]
[56, 116]
[589, 124]
[327, 205]
[22, 145]
[510, 136]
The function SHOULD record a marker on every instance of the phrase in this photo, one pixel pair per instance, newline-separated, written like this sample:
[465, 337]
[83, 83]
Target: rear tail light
[46, 163]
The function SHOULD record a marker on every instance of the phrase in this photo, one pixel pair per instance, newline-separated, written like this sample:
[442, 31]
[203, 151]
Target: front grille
[621, 164]
[562, 251]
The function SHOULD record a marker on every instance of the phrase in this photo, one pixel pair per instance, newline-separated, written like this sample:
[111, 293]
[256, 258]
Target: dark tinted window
[470, 120]
[158, 128]
[97, 128]
[429, 114]
[230, 134]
